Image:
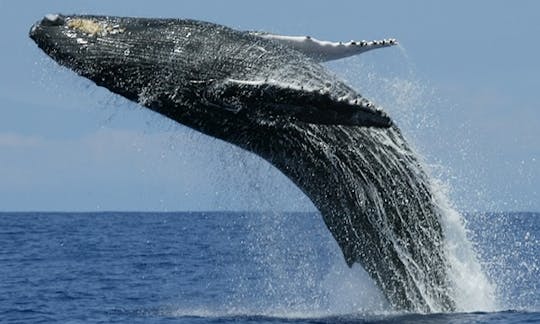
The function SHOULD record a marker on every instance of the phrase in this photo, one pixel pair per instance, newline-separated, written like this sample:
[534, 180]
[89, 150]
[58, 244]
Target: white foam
[472, 289]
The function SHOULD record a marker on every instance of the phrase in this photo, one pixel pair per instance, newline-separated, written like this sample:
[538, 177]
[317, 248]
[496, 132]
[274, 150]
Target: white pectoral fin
[323, 51]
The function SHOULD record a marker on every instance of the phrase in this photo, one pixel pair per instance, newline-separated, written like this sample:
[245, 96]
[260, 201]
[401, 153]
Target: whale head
[71, 40]
[98, 48]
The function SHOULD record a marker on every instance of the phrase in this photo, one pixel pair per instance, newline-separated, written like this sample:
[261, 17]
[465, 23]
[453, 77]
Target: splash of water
[412, 103]
[473, 291]
[298, 276]
[470, 288]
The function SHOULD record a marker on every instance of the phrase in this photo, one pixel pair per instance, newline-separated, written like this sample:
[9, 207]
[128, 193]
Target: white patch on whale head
[52, 17]
[93, 27]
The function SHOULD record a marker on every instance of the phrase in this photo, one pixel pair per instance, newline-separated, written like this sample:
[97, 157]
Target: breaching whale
[270, 95]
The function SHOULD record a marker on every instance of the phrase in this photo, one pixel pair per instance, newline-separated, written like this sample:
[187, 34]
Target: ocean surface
[228, 267]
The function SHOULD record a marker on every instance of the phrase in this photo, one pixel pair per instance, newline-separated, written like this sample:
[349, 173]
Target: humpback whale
[270, 95]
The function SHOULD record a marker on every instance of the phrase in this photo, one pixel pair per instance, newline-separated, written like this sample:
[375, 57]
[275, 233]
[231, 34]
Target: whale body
[268, 94]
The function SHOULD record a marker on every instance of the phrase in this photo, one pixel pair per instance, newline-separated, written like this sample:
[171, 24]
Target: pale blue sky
[464, 89]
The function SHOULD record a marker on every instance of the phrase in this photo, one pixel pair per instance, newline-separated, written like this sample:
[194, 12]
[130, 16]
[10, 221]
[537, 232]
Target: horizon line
[218, 211]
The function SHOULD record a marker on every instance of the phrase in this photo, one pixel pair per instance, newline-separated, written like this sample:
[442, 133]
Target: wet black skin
[347, 157]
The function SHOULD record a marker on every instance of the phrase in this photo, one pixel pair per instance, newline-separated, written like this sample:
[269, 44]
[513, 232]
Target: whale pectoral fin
[323, 51]
[264, 99]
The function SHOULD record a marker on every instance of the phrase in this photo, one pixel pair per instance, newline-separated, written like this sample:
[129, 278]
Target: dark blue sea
[228, 267]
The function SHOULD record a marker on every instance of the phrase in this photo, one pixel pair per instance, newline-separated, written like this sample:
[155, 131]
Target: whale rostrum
[268, 94]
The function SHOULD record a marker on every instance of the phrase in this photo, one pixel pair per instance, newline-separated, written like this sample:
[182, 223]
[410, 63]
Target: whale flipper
[323, 51]
[266, 98]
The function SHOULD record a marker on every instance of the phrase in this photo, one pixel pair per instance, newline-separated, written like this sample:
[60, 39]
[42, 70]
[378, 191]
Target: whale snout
[50, 20]
[67, 39]
[45, 31]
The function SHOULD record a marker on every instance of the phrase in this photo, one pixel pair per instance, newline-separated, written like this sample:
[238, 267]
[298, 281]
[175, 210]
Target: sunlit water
[226, 267]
